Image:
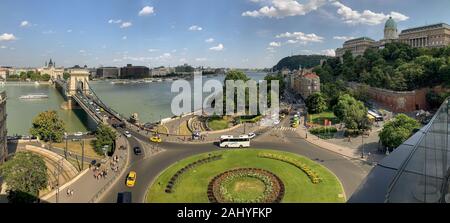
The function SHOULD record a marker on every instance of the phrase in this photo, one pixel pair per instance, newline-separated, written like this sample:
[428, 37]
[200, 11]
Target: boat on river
[33, 96]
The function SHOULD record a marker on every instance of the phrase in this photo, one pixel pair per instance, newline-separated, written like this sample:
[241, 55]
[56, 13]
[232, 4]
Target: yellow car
[156, 139]
[131, 179]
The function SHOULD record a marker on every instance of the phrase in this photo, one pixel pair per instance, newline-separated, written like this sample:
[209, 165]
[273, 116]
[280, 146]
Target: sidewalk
[85, 186]
[342, 150]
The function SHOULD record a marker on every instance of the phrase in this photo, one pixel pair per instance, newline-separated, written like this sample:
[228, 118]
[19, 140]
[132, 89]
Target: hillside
[305, 61]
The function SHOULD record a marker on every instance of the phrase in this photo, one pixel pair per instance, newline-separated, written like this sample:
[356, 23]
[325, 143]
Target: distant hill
[293, 62]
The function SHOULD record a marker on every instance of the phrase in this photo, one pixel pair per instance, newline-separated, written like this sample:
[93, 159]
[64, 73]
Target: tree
[45, 77]
[351, 112]
[105, 136]
[66, 76]
[25, 175]
[316, 103]
[48, 126]
[398, 130]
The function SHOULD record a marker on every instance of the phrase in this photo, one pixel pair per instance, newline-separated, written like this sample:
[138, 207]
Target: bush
[314, 177]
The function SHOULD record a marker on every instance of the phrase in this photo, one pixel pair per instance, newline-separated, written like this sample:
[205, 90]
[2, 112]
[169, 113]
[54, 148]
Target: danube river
[150, 100]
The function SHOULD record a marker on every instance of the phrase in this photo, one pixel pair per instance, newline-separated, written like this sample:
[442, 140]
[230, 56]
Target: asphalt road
[350, 172]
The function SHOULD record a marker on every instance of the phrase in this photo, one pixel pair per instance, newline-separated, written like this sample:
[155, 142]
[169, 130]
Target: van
[124, 197]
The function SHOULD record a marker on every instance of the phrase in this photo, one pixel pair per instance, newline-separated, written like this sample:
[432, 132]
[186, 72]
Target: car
[251, 135]
[276, 122]
[127, 134]
[137, 150]
[78, 134]
[91, 103]
[124, 197]
[97, 109]
[156, 139]
[131, 179]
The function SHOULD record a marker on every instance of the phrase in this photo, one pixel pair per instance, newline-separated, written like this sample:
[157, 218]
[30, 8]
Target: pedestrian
[71, 193]
[68, 192]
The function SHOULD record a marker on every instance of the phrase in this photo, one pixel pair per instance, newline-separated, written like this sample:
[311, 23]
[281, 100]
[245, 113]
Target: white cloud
[182, 60]
[82, 51]
[195, 28]
[2, 47]
[124, 38]
[112, 21]
[271, 49]
[219, 47]
[329, 52]
[345, 38]
[25, 24]
[152, 50]
[47, 32]
[284, 8]
[300, 37]
[69, 30]
[367, 17]
[201, 59]
[275, 44]
[210, 40]
[7, 37]
[147, 10]
[126, 25]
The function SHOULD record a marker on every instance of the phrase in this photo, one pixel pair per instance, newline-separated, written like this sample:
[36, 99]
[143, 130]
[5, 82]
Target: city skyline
[247, 33]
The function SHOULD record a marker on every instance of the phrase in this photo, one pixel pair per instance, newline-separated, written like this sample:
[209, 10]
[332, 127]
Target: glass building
[417, 171]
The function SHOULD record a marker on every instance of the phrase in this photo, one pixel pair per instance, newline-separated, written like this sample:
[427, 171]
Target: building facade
[134, 72]
[4, 72]
[52, 70]
[161, 71]
[356, 46]
[431, 36]
[3, 130]
[107, 72]
[305, 83]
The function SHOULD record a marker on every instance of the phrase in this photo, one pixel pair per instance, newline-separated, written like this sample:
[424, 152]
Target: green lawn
[319, 118]
[218, 123]
[191, 187]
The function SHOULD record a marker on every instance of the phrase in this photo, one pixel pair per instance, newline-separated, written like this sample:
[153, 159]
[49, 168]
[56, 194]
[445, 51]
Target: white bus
[375, 115]
[227, 141]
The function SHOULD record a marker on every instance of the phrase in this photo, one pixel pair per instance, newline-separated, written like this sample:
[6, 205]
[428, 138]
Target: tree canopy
[294, 62]
[316, 103]
[25, 174]
[48, 126]
[396, 67]
[105, 136]
[398, 130]
[351, 112]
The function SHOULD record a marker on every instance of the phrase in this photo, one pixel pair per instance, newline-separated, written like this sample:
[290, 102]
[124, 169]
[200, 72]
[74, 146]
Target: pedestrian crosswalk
[285, 129]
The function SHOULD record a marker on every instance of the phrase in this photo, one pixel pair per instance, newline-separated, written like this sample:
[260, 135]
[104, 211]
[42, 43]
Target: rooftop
[360, 39]
[420, 28]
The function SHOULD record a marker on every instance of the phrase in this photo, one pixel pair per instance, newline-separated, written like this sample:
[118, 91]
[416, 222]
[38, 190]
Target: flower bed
[314, 177]
[171, 184]
[273, 186]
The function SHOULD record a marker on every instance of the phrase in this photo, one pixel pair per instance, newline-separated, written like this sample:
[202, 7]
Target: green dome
[390, 24]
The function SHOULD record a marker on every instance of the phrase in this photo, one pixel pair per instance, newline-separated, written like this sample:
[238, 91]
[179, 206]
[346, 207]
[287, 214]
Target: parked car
[251, 135]
[127, 134]
[78, 134]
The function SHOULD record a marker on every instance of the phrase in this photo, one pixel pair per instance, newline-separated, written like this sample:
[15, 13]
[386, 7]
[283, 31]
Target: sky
[216, 33]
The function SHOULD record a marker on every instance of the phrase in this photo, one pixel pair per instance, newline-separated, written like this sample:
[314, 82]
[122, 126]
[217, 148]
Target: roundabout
[245, 176]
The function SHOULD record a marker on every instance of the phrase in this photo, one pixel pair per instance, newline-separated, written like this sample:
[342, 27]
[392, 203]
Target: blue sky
[217, 33]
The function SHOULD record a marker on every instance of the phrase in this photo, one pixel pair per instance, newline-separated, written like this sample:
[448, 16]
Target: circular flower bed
[218, 188]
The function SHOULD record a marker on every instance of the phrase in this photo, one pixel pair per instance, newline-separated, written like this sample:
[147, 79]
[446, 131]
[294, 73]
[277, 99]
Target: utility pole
[82, 155]
[65, 149]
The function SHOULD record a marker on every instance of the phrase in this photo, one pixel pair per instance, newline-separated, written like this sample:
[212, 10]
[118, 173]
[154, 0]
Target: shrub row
[323, 130]
[314, 177]
[170, 185]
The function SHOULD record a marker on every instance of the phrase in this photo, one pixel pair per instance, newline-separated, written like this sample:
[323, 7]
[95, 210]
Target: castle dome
[390, 24]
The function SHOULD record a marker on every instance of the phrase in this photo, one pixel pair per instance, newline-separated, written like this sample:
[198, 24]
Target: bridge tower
[77, 82]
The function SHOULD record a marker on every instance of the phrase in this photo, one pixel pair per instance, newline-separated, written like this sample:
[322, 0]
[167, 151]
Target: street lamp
[65, 149]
